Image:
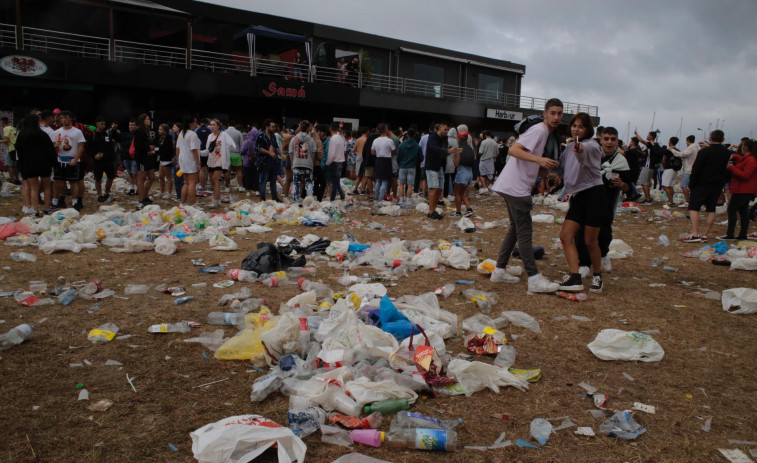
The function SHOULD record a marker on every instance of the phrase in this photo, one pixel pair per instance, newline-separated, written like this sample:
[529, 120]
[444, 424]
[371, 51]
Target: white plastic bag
[465, 224]
[427, 258]
[744, 263]
[134, 246]
[619, 250]
[456, 257]
[486, 267]
[60, 245]
[242, 438]
[614, 344]
[167, 244]
[475, 376]
[222, 243]
[543, 218]
[522, 319]
[739, 301]
[365, 391]
[282, 338]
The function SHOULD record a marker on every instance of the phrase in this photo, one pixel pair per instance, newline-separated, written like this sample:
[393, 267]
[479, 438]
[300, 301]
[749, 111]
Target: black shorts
[203, 161]
[66, 172]
[217, 168]
[589, 207]
[36, 172]
[704, 195]
[146, 164]
[105, 167]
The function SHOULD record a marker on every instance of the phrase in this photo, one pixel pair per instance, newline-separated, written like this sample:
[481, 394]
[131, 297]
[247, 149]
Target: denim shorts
[130, 165]
[464, 175]
[407, 175]
[685, 180]
[435, 178]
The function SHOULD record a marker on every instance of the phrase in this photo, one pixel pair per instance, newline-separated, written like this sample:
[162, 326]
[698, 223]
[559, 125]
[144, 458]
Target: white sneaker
[584, 271]
[213, 203]
[683, 205]
[500, 275]
[606, 264]
[26, 210]
[539, 284]
[483, 191]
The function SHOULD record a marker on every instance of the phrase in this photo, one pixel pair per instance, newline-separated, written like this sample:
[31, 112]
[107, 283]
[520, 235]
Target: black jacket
[711, 167]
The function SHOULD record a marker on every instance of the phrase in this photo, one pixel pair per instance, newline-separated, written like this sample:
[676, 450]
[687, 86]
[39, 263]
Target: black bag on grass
[266, 259]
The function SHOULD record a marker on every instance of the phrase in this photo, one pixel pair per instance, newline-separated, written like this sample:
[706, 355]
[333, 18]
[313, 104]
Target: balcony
[102, 48]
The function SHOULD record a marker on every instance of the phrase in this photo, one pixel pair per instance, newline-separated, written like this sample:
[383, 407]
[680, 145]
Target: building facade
[120, 58]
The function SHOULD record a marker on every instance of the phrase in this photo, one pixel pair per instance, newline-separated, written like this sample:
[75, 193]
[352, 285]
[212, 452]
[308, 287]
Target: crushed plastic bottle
[181, 327]
[305, 422]
[21, 256]
[274, 281]
[68, 296]
[668, 268]
[91, 288]
[540, 430]
[422, 439]
[446, 290]
[183, 300]
[266, 385]
[405, 419]
[104, 333]
[322, 290]
[663, 239]
[136, 289]
[238, 274]
[226, 318]
[15, 336]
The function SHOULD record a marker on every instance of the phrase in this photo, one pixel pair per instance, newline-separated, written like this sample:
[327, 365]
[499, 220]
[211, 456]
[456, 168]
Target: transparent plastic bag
[739, 301]
[476, 376]
[167, 244]
[614, 344]
[219, 242]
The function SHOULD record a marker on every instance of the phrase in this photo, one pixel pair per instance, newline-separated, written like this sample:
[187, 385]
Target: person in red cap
[56, 119]
[464, 159]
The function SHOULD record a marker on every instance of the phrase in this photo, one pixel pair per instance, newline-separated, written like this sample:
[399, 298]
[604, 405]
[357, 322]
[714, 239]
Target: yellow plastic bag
[246, 344]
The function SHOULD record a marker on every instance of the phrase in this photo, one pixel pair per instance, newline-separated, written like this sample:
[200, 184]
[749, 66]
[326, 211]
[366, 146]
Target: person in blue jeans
[335, 161]
[267, 151]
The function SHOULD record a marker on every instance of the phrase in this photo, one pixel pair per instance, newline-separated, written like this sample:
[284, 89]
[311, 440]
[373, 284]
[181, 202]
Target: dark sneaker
[692, 239]
[457, 214]
[596, 284]
[78, 206]
[101, 199]
[726, 237]
[468, 213]
[572, 283]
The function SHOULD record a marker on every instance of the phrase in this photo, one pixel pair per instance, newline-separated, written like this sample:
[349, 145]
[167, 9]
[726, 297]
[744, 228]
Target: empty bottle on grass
[422, 439]
[321, 289]
[540, 430]
[387, 406]
[91, 288]
[21, 256]
[265, 386]
[405, 419]
[226, 318]
[15, 336]
[181, 327]
[239, 274]
[446, 290]
[68, 296]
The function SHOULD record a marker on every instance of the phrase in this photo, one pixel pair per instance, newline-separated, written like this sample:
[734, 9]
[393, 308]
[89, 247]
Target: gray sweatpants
[520, 231]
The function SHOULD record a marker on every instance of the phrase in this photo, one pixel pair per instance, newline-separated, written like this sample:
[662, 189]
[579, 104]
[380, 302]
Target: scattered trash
[740, 301]
[540, 430]
[612, 344]
[16, 336]
[644, 408]
[622, 425]
[100, 405]
[735, 455]
[584, 431]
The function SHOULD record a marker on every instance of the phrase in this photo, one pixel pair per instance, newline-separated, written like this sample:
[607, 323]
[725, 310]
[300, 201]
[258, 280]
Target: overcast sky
[690, 59]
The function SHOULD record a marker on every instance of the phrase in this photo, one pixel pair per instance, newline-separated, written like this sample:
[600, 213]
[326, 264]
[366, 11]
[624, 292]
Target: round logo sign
[25, 66]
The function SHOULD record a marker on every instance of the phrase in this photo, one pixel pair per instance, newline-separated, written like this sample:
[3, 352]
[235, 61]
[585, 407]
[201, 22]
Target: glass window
[433, 77]
[492, 85]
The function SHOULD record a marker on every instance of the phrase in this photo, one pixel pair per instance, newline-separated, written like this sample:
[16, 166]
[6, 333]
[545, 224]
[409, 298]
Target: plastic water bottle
[337, 399]
[483, 303]
[322, 290]
[446, 290]
[247, 305]
[305, 422]
[91, 288]
[274, 281]
[265, 386]
[225, 318]
[15, 336]
[68, 296]
[540, 430]
[23, 257]
[182, 300]
[422, 439]
[182, 327]
[238, 274]
[299, 271]
[387, 406]
[103, 334]
[663, 239]
[405, 419]
[506, 357]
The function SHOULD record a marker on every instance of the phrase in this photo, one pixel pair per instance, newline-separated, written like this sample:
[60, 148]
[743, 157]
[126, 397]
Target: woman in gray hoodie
[302, 150]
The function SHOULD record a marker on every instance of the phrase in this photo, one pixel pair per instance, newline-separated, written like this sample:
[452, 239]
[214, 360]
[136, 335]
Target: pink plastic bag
[13, 228]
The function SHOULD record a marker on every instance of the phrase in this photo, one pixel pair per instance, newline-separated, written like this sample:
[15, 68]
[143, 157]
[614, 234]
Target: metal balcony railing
[147, 53]
[84, 46]
[48, 41]
[8, 36]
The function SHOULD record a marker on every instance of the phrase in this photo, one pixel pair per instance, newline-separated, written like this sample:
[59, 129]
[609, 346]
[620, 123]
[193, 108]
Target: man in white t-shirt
[383, 148]
[689, 155]
[489, 149]
[514, 184]
[69, 143]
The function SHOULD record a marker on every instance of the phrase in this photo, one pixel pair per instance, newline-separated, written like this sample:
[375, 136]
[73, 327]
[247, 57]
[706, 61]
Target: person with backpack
[302, 147]
[672, 165]
[464, 160]
[266, 153]
[514, 184]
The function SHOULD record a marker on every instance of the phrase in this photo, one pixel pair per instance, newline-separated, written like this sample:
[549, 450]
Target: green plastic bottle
[387, 406]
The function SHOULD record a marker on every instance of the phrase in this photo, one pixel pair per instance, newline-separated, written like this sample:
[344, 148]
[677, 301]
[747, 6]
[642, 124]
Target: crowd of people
[50, 152]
